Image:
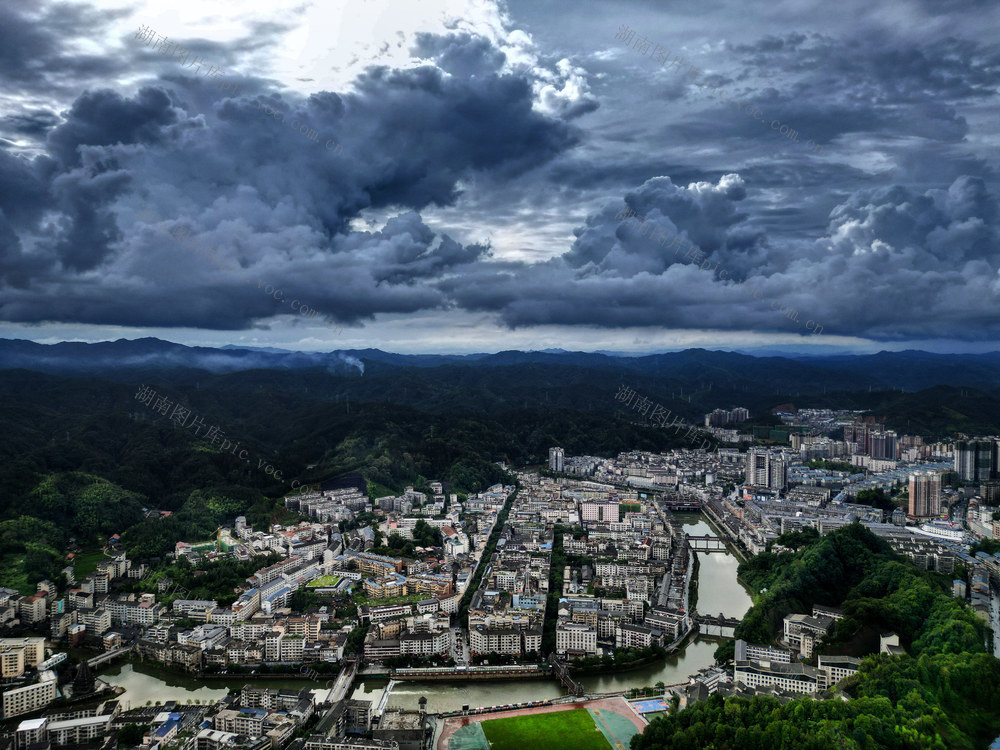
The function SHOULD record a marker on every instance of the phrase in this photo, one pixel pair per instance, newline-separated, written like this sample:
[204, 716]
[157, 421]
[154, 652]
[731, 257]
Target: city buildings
[721, 417]
[802, 632]
[22, 700]
[883, 445]
[977, 460]
[796, 678]
[925, 494]
[745, 651]
[575, 639]
[18, 653]
[766, 470]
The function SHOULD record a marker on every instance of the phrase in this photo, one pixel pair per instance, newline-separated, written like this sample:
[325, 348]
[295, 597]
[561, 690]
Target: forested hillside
[945, 694]
[83, 458]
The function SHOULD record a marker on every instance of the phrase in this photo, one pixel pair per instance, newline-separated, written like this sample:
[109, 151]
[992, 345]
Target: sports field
[574, 729]
[649, 705]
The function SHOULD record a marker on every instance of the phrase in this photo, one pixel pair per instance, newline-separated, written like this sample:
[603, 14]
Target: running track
[617, 705]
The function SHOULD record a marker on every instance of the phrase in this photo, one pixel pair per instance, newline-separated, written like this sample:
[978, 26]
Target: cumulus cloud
[894, 263]
[480, 130]
[277, 205]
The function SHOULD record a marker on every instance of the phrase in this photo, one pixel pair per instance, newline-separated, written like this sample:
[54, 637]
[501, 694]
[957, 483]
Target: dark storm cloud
[822, 234]
[274, 202]
[104, 118]
[33, 123]
[33, 45]
[24, 188]
[925, 264]
[874, 82]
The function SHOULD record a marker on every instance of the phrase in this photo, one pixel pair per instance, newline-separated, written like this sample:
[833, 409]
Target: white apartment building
[33, 647]
[758, 652]
[11, 661]
[238, 722]
[836, 668]
[599, 511]
[224, 617]
[798, 678]
[22, 700]
[802, 631]
[504, 640]
[575, 638]
[96, 621]
[635, 636]
[79, 731]
[424, 644]
[292, 648]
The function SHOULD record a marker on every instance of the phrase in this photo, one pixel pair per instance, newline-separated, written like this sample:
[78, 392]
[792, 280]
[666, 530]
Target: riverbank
[716, 525]
[693, 586]
[719, 592]
[455, 676]
[681, 642]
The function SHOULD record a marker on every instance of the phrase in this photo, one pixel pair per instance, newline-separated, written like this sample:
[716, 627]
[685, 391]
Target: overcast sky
[472, 165]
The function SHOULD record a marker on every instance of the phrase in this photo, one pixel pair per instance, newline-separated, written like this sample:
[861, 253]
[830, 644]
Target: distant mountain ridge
[908, 370]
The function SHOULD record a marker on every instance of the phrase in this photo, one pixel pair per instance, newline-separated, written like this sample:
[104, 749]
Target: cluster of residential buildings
[626, 584]
[779, 671]
[506, 613]
[254, 718]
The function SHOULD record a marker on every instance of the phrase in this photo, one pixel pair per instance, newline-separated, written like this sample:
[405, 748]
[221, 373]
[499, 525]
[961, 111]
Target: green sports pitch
[574, 728]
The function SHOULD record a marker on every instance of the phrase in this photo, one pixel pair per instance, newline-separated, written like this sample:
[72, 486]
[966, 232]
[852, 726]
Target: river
[718, 592]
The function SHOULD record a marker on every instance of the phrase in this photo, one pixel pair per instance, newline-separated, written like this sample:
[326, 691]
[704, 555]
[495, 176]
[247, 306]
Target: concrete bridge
[108, 656]
[707, 544]
[722, 626]
[342, 685]
[384, 701]
[561, 671]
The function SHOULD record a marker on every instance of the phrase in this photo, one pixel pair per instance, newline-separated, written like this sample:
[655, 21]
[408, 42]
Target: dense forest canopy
[944, 694]
[84, 454]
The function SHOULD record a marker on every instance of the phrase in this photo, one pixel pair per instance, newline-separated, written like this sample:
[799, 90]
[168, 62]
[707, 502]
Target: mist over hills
[917, 391]
[691, 368]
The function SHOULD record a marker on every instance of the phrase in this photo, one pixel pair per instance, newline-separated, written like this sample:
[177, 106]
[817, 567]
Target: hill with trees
[945, 693]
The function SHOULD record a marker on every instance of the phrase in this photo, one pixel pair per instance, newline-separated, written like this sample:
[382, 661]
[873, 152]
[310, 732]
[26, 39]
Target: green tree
[131, 735]
[876, 498]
